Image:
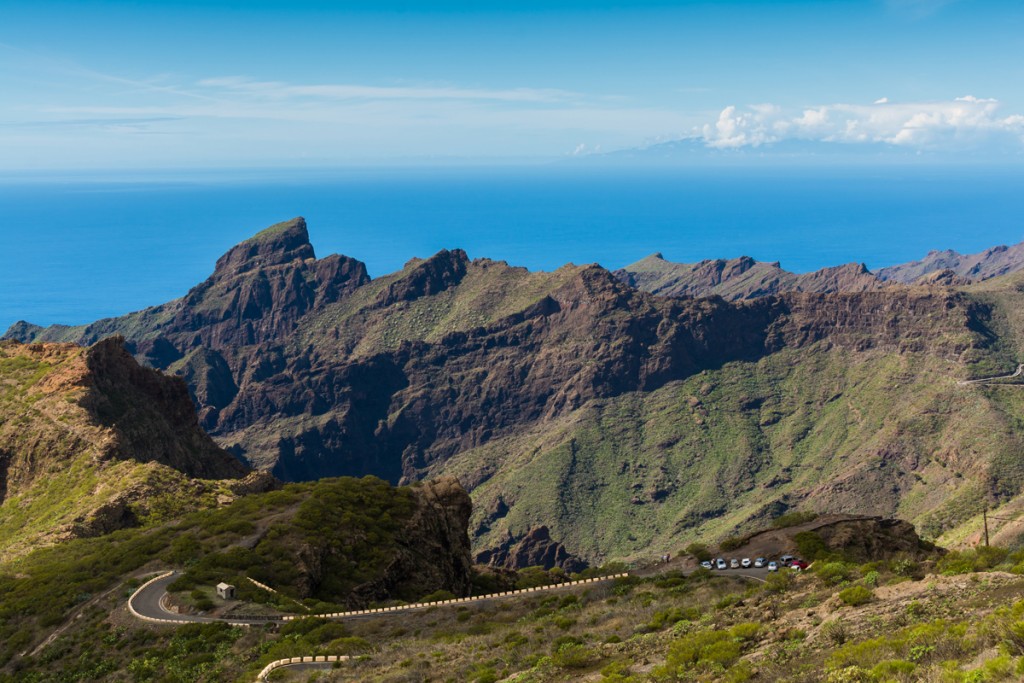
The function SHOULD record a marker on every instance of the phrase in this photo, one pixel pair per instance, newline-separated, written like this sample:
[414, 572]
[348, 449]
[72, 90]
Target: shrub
[573, 656]
[699, 551]
[747, 630]
[349, 645]
[793, 519]
[663, 618]
[563, 622]
[617, 672]
[833, 573]
[437, 596]
[904, 566]
[483, 674]
[731, 543]
[851, 674]
[893, 669]
[564, 640]
[778, 582]
[835, 631]
[702, 651]
[810, 545]
[967, 561]
[856, 595]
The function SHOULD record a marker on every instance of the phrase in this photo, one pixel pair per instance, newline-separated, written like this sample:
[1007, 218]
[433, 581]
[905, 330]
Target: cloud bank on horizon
[963, 124]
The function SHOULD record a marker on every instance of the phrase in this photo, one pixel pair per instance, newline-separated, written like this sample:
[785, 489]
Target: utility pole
[984, 514]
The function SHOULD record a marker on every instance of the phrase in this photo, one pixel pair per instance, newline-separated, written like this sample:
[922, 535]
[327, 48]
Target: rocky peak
[425, 278]
[260, 288]
[942, 278]
[277, 245]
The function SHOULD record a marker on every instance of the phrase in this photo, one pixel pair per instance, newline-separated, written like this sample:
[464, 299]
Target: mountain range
[621, 411]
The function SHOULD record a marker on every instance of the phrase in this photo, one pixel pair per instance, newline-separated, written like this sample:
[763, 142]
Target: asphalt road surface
[149, 603]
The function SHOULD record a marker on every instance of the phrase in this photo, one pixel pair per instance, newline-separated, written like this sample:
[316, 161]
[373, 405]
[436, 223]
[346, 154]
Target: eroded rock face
[259, 289]
[873, 538]
[535, 549]
[433, 549]
[307, 369]
[987, 264]
[102, 442]
[741, 278]
[150, 415]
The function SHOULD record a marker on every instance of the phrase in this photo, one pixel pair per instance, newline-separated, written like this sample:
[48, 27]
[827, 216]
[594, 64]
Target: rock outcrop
[431, 552]
[741, 278]
[94, 442]
[873, 538]
[990, 263]
[535, 549]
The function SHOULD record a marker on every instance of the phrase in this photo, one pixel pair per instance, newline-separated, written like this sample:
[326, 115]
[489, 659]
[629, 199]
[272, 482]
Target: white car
[746, 563]
[734, 564]
[759, 562]
[720, 563]
[706, 565]
[773, 566]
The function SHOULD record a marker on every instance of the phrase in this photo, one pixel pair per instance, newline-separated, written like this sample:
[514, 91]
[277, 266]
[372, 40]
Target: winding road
[149, 601]
[986, 380]
[149, 604]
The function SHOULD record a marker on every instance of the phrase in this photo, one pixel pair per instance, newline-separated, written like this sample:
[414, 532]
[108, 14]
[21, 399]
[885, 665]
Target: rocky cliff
[1001, 260]
[535, 549]
[432, 550]
[92, 441]
[741, 278]
[307, 368]
[744, 278]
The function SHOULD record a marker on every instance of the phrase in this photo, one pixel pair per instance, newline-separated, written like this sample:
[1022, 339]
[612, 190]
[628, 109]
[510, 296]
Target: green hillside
[820, 428]
[92, 443]
[332, 544]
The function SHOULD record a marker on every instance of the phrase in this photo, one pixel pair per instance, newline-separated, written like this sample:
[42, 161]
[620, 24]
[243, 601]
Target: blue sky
[166, 85]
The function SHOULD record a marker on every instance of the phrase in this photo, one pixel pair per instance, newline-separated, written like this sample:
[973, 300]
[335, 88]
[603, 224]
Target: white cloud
[275, 90]
[964, 122]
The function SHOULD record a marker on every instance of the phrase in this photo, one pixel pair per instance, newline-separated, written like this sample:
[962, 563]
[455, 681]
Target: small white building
[225, 591]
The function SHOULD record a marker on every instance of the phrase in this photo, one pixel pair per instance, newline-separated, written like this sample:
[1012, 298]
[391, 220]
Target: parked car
[706, 564]
[745, 562]
[773, 566]
[720, 563]
[785, 560]
[798, 565]
[759, 562]
[734, 563]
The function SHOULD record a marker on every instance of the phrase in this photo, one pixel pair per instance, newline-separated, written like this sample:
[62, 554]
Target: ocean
[76, 249]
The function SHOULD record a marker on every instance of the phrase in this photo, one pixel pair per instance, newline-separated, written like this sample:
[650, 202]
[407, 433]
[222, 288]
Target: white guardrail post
[143, 617]
[441, 603]
[157, 620]
[318, 659]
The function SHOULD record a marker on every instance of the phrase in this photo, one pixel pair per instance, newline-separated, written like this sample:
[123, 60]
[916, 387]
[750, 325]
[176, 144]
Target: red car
[799, 565]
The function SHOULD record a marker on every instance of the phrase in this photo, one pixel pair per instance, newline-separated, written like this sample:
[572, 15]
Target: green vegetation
[855, 596]
[68, 476]
[349, 524]
[700, 460]
[704, 627]
[793, 519]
